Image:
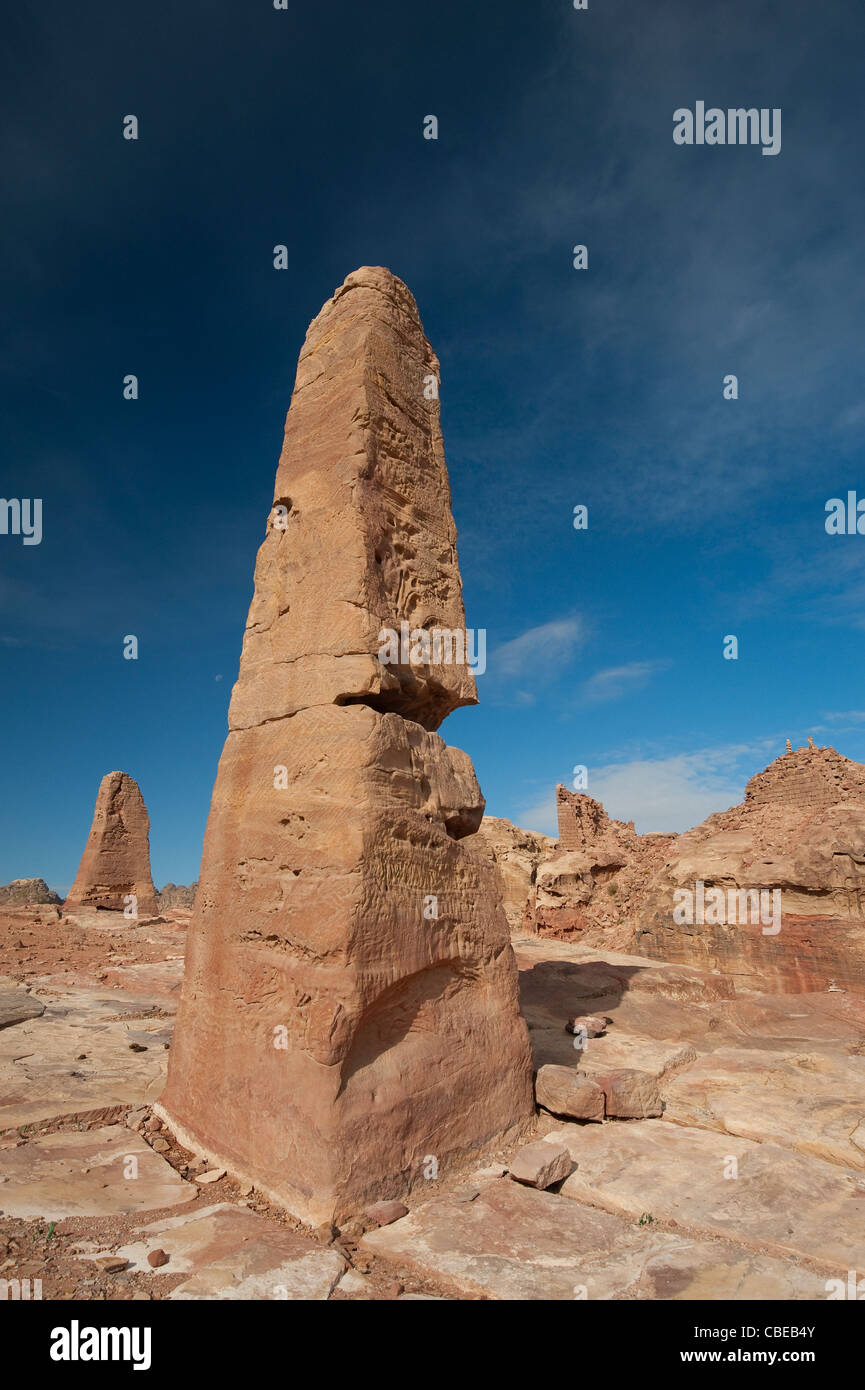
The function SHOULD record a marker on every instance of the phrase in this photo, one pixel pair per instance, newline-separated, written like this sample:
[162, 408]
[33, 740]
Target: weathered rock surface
[115, 865]
[801, 830]
[350, 1000]
[595, 879]
[517, 854]
[27, 890]
[629, 1094]
[231, 1252]
[75, 1058]
[807, 1099]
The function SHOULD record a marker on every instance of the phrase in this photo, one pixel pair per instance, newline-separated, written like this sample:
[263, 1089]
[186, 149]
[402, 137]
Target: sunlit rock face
[350, 1020]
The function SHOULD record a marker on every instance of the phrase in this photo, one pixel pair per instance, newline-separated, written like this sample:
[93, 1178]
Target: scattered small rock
[541, 1164]
[386, 1212]
[212, 1175]
[595, 1025]
[352, 1282]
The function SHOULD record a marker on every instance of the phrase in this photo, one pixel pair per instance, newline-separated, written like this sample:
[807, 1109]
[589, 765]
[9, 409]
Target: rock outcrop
[589, 889]
[350, 1003]
[176, 895]
[115, 865]
[27, 890]
[516, 854]
[799, 834]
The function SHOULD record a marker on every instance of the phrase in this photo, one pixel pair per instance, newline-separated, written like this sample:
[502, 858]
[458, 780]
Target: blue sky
[559, 387]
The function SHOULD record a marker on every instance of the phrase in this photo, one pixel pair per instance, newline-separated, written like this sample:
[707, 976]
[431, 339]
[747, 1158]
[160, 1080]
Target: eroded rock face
[590, 887]
[27, 890]
[115, 864]
[350, 1002]
[361, 537]
[517, 854]
[801, 832]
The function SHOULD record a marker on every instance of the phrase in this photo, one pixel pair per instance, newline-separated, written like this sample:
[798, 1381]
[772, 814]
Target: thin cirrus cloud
[617, 681]
[540, 651]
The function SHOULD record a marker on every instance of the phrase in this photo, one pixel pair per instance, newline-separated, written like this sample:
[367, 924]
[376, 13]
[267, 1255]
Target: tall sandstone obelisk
[115, 865]
[335, 1034]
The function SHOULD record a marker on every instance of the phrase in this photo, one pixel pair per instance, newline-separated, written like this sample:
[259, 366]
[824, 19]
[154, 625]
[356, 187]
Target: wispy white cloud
[540, 651]
[617, 681]
[540, 816]
[671, 793]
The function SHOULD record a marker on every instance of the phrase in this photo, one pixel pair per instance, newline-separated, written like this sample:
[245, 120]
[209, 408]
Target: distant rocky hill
[27, 890]
[176, 895]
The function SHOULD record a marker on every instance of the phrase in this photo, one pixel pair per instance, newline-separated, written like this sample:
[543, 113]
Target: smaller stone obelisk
[114, 872]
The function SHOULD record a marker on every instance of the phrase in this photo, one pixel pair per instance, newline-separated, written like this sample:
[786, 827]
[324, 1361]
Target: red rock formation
[115, 865]
[801, 831]
[350, 1001]
[589, 889]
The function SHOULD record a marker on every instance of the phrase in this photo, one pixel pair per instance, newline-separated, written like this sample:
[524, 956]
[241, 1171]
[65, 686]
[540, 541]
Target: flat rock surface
[231, 1252]
[665, 1005]
[783, 1202]
[75, 1058]
[16, 1005]
[275, 1265]
[84, 1173]
[810, 1101]
[716, 1271]
[515, 1243]
[615, 1049]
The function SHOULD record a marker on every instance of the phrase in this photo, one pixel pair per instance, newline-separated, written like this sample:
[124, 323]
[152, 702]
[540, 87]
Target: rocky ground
[745, 1181]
